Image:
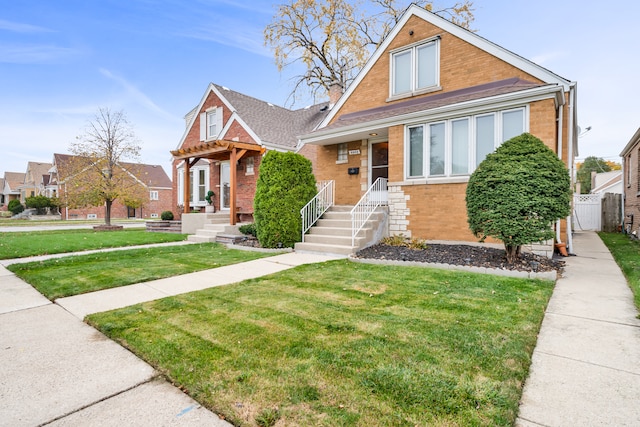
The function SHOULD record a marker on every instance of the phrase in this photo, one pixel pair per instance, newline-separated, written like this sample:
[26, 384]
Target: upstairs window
[153, 195]
[415, 69]
[212, 129]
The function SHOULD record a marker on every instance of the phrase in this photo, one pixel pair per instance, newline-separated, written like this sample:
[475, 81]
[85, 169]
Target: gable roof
[632, 142]
[150, 175]
[271, 125]
[37, 170]
[14, 179]
[472, 38]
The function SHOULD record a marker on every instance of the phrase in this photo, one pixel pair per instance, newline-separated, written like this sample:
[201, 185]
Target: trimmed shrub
[39, 203]
[248, 229]
[517, 193]
[166, 216]
[285, 184]
[15, 206]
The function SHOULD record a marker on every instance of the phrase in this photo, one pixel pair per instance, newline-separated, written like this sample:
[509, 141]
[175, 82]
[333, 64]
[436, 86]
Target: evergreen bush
[248, 229]
[517, 193]
[166, 216]
[39, 203]
[285, 184]
[15, 206]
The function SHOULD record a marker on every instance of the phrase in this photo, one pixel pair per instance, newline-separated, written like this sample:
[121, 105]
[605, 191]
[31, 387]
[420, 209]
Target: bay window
[457, 146]
[198, 185]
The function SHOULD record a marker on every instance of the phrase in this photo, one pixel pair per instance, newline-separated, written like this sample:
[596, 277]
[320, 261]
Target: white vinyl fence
[587, 212]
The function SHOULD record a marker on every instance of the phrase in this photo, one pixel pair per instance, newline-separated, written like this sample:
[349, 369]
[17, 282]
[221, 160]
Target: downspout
[572, 113]
[560, 135]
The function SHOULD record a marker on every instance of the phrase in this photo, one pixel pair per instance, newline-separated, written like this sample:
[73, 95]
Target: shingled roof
[274, 125]
[151, 175]
[14, 179]
[434, 101]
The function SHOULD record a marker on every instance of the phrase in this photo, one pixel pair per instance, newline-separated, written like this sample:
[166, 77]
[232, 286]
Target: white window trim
[414, 75]
[448, 176]
[181, 182]
[204, 123]
[154, 195]
[250, 163]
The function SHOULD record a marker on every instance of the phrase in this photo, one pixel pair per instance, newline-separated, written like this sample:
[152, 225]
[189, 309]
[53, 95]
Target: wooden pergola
[217, 150]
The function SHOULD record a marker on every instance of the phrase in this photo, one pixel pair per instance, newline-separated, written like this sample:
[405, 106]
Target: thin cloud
[18, 27]
[138, 95]
[546, 57]
[245, 40]
[34, 54]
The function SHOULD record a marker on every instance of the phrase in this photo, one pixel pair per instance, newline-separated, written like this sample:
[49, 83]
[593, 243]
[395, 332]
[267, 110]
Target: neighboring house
[10, 188]
[431, 103]
[152, 178]
[2, 202]
[606, 182]
[32, 179]
[631, 183]
[222, 147]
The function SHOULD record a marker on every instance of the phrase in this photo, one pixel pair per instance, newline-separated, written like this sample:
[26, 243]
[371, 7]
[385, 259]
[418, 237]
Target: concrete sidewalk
[586, 365]
[56, 370]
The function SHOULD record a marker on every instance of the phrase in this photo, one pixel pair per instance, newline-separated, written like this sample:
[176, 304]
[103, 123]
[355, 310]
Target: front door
[225, 188]
[379, 164]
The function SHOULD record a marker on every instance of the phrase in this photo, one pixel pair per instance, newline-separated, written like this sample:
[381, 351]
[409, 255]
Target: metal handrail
[368, 203]
[317, 206]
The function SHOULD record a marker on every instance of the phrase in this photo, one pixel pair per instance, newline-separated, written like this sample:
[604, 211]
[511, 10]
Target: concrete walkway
[56, 370]
[586, 365]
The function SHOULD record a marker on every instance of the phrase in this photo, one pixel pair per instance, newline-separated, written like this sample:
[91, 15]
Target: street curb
[546, 275]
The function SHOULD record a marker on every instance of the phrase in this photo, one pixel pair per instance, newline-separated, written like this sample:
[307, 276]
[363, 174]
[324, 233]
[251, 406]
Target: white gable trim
[236, 117]
[455, 30]
[198, 109]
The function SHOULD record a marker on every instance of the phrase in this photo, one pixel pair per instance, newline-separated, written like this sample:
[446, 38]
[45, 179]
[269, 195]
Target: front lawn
[25, 244]
[346, 344]
[73, 275]
[626, 252]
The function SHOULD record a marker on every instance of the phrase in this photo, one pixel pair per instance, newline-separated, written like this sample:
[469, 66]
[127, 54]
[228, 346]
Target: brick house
[221, 149]
[153, 180]
[431, 103]
[631, 184]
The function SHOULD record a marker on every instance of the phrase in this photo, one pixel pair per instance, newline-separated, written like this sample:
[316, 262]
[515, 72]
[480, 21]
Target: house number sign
[354, 152]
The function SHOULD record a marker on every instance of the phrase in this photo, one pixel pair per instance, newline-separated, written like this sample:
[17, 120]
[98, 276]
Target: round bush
[517, 193]
[285, 184]
[166, 216]
[15, 206]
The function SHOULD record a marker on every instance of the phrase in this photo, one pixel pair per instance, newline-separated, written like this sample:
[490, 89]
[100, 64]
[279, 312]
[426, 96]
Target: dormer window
[415, 69]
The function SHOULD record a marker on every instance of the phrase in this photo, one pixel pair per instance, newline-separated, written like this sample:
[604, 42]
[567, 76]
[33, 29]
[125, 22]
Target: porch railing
[317, 206]
[375, 196]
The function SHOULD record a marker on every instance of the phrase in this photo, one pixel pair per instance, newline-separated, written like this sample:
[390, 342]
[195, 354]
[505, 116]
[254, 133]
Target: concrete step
[333, 240]
[201, 239]
[323, 248]
[215, 227]
[334, 223]
[341, 208]
[331, 231]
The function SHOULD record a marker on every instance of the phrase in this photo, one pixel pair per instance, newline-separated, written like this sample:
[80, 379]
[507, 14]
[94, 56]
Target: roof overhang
[218, 149]
[364, 130]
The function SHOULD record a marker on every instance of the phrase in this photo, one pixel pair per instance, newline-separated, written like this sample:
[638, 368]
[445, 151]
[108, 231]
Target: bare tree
[98, 174]
[333, 39]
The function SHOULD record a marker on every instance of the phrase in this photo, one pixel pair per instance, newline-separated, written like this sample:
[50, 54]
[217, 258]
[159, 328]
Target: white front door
[225, 189]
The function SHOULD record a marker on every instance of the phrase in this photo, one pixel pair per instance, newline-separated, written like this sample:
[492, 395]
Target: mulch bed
[460, 254]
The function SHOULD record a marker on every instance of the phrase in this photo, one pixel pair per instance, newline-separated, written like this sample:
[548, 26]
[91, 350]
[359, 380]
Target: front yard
[25, 244]
[349, 344]
[73, 275]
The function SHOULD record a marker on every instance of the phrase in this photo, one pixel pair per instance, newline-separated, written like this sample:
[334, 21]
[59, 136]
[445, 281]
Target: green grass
[626, 252]
[73, 275]
[25, 244]
[345, 344]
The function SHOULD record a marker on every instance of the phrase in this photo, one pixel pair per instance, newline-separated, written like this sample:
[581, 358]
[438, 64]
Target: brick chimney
[335, 92]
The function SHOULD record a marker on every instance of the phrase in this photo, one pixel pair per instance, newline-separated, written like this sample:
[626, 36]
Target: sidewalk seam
[592, 319]
[82, 408]
[532, 422]
[589, 363]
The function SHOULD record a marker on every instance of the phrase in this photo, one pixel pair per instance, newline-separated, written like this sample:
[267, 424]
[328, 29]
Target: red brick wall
[120, 211]
[631, 187]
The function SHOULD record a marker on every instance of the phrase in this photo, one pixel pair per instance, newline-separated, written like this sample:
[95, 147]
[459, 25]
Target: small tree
[285, 184]
[97, 175]
[517, 193]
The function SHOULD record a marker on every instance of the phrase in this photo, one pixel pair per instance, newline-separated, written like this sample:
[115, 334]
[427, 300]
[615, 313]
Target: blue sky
[62, 60]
